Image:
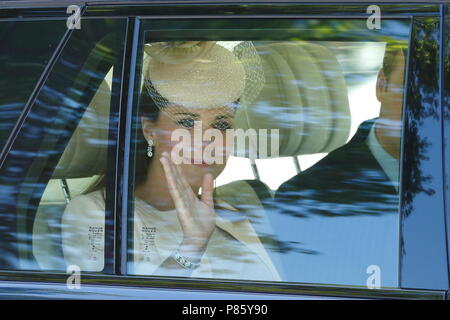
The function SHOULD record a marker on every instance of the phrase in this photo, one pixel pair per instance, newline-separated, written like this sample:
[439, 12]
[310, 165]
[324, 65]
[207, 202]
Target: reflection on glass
[343, 211]
[318, 205]
[59, 151]
[22, 63]
[252, 159]
[188, 105]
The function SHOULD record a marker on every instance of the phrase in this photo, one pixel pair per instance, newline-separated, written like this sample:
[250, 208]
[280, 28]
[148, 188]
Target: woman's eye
[222, 125]
[186, 123]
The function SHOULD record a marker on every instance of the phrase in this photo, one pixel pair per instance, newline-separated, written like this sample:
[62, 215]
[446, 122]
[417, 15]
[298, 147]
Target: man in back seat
[343, 211]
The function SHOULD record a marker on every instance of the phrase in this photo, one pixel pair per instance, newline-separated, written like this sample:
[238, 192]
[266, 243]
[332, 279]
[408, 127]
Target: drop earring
[150, 148]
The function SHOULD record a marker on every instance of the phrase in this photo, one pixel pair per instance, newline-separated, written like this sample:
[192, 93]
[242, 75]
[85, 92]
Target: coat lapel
[243, 231]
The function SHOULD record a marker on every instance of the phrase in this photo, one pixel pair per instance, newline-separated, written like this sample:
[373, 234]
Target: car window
[268, 150]
[261, 150]
[22, 62]
[60, 153]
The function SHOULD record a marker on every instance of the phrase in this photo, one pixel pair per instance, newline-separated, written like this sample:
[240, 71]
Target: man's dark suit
[339, 217]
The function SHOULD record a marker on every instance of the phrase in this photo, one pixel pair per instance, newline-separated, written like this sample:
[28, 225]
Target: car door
[75, 125]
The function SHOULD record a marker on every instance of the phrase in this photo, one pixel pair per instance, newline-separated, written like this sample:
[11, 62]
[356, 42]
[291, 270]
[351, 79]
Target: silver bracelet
[184, 262]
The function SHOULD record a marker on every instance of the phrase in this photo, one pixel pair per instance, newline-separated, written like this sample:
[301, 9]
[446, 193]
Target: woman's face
[185, 134]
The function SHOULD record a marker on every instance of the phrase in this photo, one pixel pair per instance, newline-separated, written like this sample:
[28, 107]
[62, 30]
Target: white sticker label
[95, 238]
[148, 246]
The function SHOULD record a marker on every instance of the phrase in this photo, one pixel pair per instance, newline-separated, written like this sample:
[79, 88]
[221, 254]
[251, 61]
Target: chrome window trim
[233, 286]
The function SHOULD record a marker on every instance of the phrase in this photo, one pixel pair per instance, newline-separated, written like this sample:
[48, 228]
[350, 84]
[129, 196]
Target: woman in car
[192, 90]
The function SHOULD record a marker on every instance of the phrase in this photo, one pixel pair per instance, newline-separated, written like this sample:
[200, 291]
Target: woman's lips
[202, 165]
[191, 161]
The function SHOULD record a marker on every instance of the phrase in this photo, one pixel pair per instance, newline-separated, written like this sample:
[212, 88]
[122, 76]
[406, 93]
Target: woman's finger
[183, 186]
[171, 184]
[181, 200]
[208, 190]
[173, 170]
[182, 178]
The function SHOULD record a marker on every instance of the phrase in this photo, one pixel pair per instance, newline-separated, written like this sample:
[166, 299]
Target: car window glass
[306, 187]
[60, 155]
[25, 51]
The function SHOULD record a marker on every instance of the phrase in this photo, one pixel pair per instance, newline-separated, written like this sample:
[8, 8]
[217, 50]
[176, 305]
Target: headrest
[304, 97]
[85, 155]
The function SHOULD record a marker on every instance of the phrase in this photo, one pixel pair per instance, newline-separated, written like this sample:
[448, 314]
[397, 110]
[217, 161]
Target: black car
[335, 183]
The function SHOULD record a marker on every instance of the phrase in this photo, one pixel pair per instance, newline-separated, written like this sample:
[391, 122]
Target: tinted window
[309, 191]
[283, 141]
[60, 152]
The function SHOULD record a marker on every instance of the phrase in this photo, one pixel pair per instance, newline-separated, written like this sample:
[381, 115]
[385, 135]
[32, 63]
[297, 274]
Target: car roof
[65, 3]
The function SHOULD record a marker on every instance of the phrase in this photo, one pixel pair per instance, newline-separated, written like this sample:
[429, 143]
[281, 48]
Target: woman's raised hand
[196, 216]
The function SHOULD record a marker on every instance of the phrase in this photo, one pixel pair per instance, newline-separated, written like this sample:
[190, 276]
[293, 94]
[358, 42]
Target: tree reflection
[357, 190]
[422, 103]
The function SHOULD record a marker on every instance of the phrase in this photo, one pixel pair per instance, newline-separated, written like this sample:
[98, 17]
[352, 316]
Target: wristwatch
[184, 262]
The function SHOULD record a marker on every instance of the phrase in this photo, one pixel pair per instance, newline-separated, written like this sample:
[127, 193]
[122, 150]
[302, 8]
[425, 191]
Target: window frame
[134, 12]
[445, 50]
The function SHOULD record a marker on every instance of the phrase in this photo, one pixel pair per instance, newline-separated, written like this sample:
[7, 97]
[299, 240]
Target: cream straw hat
[203, 74]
